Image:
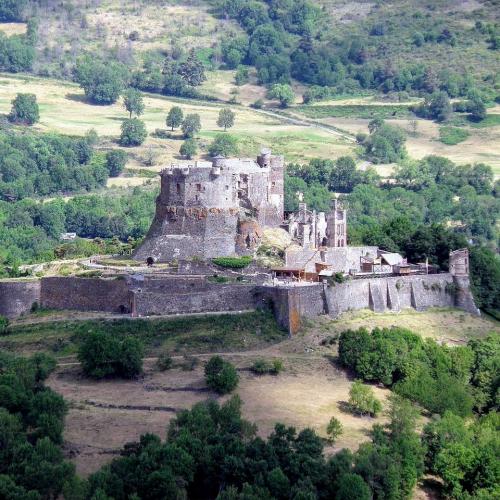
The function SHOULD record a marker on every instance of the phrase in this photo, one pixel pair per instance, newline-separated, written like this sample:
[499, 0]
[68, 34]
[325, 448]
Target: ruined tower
[336, 226]
[213, 209]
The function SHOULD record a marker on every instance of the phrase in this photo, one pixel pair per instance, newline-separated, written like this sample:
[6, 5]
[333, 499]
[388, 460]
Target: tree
[226, 118]
[224, 145]
[102, 355]
[386, 144]
[191, 125]
[352, 486]
[133, 132]
[437, 107]
[12, 10]
[115, 162]
[334, 429]
[283, 93]
[24, 109]
[189, 148]
[192, 70]
[375, 124]
[133, 102]
[220, 375]
[175, 117]
[101, 82]
[476, 108]
[362, 399]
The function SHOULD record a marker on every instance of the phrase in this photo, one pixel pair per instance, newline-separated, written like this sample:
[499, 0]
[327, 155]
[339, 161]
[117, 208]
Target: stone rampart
[205, 297]
[18, 297]
[86, 294]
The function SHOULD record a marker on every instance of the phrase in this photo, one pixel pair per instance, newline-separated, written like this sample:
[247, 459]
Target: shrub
[220, 375]
[258, 104]
[24, 109]
[103, 355]
[4, 324]
[188, 148]
[233, 262]
[263, 367]
[133, 132]
[334, 429]
[115, 162]
[224, 145]
[164, 362]
[362, 400]
[452, 135]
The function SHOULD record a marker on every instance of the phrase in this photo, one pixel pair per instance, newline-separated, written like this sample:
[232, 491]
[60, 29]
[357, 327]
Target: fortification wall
[86, 294]
[209, 297]
[391, 294]
[18, 297]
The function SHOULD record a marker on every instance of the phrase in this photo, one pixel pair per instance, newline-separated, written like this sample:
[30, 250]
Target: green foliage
[435, 107]
[102, 82]
[24, 109]
[242, 76]
[233, 262]
[352, 486]
[16, 53]
[133, 102]
[362, 400]
[189, 148]
[452, 135]
[4, 325]
[12, 10]
[464, 454]
[368, 112]
[116, 159]
[226, 118]
[485, 277]
[191, 125]
[164, 362]
[225, 145]
[103, 355]
[133, 132]
[266, 367]
[31, 424]
[283, 93]
[334, 429]
[220, 375]
[386, 144]
[175, 117]
[41, 164]
[435, 376]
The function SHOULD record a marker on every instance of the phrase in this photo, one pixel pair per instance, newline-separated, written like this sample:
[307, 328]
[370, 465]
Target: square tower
[336, 226]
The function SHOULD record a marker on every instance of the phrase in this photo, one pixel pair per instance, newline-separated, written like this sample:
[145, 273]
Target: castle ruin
[215, 209]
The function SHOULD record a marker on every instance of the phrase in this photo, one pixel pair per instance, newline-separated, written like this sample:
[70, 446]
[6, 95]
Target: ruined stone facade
[215, 209]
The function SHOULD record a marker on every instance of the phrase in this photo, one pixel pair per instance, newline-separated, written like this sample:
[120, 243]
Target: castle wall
[86, 294]
[18, 297]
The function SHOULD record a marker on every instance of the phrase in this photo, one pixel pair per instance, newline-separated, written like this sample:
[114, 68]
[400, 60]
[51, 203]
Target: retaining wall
[86, 294]
[18, 297]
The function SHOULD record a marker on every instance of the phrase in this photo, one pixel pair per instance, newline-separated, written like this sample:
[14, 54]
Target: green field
[452, 135]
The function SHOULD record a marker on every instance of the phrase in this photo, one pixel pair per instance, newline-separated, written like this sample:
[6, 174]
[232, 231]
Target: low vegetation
[220, 375]
[233, 262]
[267, 367]
[200, 333]
[452, 135]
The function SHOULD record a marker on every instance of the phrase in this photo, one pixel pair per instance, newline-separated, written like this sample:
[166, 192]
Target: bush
[164, 362]
[189, 148]
[258, 104]
[362, 400]
[224, 145]
[115, 162]
[103, 355]
[452, 135]
[220, 375]
[265, 367]
[24, 109]
[4, 324]
[334, 429]
[133, 132]
[233, 262]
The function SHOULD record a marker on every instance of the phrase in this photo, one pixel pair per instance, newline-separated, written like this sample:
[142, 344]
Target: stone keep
[215, 209]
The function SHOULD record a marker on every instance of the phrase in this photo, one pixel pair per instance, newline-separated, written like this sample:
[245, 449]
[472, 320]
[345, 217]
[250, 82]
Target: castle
[221, 208]
[215, 209]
